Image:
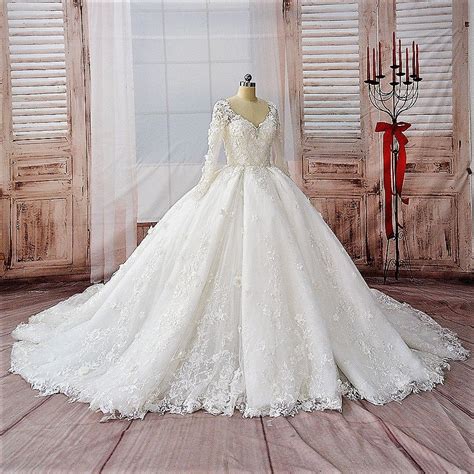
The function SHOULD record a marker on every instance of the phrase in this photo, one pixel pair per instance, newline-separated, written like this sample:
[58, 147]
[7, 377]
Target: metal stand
[399, 98]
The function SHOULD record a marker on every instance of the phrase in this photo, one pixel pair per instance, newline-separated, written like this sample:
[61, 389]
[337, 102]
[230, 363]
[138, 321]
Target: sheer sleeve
[278, 155]
[215, 135]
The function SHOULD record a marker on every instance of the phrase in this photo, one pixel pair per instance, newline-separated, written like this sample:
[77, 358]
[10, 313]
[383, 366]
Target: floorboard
[60, 437]
[429, 432]
[198, 442]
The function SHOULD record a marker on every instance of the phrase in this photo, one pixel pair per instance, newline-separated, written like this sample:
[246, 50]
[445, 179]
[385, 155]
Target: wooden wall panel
[42, 168]
[142, 230]
[430, 155]
[430, 230]
[43, 232]
[322, 161]
[345, 217]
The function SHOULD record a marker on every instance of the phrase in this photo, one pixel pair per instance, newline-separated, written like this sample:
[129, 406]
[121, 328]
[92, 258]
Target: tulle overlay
[242, 298]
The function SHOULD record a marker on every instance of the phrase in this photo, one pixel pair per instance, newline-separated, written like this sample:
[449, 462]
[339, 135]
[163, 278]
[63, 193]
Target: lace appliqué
[247, 146]
[214, 137]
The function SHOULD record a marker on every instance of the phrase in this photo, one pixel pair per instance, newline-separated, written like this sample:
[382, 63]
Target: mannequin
[246, 104]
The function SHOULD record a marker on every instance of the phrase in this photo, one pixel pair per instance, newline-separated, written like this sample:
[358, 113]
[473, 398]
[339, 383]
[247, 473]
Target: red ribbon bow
[393, 130]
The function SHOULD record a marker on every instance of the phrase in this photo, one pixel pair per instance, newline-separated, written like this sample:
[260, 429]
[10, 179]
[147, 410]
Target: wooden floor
[430, 432]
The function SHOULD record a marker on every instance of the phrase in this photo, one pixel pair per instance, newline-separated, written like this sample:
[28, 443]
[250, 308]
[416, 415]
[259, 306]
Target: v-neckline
[257, 127]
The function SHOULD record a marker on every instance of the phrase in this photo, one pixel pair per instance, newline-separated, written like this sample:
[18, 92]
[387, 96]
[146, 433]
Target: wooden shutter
[334, 119]
[330, 59]
[430, 24]
[43, 175]
[36, 39]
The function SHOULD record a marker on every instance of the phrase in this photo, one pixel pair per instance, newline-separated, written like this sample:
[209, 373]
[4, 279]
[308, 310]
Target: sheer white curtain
[270, 63]
[113, 203]
[187, 55]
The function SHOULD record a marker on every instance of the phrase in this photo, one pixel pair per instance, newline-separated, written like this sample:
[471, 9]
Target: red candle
[368, 63]
[400, 53]
[373, 65]
[380, 58]
[407, 72]
[394, 54]
[417, 62]
[413, 58]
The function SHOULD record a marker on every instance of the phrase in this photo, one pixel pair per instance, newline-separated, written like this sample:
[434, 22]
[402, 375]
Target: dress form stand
[246, 103]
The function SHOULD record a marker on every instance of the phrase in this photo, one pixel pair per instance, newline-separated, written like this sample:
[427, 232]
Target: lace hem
[450, 338]
[346, 389]
[226, 404]
[437, 377]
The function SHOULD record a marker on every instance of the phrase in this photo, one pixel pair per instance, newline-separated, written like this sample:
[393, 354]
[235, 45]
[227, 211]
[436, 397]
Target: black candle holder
[401, 96]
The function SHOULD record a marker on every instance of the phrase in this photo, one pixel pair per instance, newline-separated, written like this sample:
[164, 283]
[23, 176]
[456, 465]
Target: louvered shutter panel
[430, 23]
[38, 69]
[330, 56]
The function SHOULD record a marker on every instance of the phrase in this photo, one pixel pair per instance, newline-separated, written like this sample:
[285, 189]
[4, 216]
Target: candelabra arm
[412, 101]
[379, 102]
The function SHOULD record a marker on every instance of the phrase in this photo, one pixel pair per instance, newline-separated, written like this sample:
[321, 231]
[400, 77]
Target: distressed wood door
[339, 170]
[437, 221]
[43, 177]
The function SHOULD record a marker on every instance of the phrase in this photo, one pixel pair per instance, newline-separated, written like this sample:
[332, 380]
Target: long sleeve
[215, 135]
[278, 155]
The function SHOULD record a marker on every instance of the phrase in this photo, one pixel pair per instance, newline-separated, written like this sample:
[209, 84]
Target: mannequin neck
[247, 93]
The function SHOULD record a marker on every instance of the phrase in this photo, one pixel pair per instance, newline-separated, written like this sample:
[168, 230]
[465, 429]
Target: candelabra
[393, 101]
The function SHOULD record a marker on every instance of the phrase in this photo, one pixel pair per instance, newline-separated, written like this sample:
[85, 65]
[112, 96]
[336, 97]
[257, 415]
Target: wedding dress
[242, 298]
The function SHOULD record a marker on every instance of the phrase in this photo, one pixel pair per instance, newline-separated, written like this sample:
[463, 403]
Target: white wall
[187, 55]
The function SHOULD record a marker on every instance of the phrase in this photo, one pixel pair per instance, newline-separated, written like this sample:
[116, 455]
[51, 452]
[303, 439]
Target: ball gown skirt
[242, 298]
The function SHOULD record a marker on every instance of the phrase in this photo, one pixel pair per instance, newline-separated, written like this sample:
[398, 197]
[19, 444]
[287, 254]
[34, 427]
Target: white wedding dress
[242, 298]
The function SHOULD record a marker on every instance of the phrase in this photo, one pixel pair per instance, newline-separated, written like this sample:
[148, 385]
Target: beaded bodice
[245, 144]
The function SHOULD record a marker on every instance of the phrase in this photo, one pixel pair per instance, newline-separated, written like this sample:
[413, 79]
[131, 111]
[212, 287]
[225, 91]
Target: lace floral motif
[279, 159]
[243, 299]
[214, 138]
